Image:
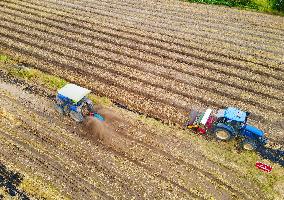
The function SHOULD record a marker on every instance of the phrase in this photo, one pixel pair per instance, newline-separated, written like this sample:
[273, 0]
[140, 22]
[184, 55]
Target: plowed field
[140, 161]
[160, 58]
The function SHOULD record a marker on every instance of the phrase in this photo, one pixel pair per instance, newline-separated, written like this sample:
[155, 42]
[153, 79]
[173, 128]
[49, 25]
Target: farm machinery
[226, 124]
[71, 100]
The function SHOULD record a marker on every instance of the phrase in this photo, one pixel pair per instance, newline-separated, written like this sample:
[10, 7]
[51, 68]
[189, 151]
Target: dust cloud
[106, 131]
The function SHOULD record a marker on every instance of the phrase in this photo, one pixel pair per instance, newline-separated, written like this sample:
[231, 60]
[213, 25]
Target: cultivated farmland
[160, 58]
[140, 160]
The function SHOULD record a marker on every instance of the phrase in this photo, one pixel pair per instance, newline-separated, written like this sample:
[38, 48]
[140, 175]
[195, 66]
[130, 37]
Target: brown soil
[159, 63]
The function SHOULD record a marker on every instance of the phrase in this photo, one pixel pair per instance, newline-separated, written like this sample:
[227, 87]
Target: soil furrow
[182, 14]
[218, 67]
[101, 87]
[180, 22]
[251, 18]
[134, 19]
[208, 44]
[159, 85]
[180, 106]
[233, 84]
[175, 35]
[57, 143]
[192, 11]
[161, 116]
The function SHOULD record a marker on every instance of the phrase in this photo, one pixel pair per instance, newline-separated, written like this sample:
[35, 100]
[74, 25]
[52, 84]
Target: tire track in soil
[133, 33]
[235, 191]
[80, 71]
[222, 82]
[159, 86]
[129, 18]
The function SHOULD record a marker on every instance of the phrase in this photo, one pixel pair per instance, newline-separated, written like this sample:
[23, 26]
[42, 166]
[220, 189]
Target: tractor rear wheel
[78, 117]
[222, 134]
[248, 145]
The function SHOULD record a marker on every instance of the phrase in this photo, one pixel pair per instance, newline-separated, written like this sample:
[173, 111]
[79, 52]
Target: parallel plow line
[133, 100]
[185, 94]
[171, 19]
[165, 25]
[77, 157]
[186, 14]
[213, 60]
[131, 32]
[165, 102]
[193, 11]
[231, 84]
[129, 136]
[86, 63]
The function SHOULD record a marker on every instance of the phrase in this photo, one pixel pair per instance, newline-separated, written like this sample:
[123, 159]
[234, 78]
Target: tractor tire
[248, 145]
[222, 134]
[192, 116]
[59, 109]
[78, 117]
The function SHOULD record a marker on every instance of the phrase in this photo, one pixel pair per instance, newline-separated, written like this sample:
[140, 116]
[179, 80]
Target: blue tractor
[227, 124]
[71, 100]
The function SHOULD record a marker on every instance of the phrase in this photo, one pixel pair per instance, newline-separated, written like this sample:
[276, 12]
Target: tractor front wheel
[222, 134]
[248, 145]
[59, 109]
[78, 117]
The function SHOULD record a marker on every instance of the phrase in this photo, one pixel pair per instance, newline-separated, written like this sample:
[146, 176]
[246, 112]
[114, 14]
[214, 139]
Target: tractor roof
[232, 113]
[74, 92]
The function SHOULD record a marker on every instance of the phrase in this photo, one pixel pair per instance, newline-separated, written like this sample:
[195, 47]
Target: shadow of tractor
[274, 155]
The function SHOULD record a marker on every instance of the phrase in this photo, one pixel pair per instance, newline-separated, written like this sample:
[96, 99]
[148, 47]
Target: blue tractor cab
[71, 100]
[232, 122]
